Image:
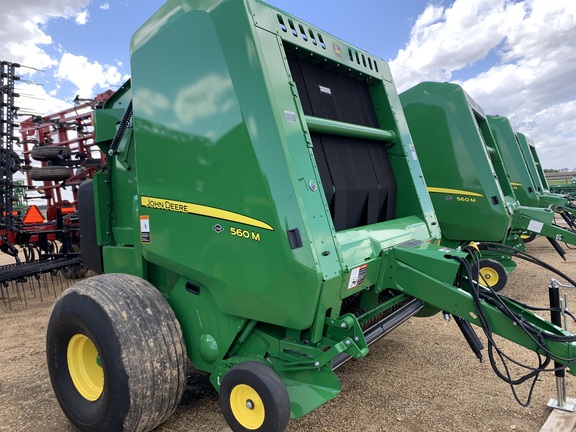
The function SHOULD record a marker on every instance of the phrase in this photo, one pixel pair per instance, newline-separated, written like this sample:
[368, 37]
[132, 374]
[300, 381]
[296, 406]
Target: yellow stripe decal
[201, 210]
[516, 184]
[453, 191]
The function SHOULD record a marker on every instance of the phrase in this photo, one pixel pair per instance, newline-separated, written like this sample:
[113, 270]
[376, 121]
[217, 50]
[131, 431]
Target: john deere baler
[531, 155]
[466, 173]
[264, 215]
[532, 162]
[527, 187]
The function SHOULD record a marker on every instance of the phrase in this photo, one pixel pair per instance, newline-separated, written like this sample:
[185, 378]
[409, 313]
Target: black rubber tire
[50, 152]
[492, 270]
[266, 383]
[528, 238]
[140, 348]
[77, 271]
[50, 173]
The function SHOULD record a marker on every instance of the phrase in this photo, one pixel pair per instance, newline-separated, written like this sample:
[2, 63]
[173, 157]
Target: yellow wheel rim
[84, 367]
[489, 276]
[525, 236]
[247, 407]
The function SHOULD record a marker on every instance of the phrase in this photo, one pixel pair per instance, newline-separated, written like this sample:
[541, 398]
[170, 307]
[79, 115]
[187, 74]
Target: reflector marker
[453, 191]
[33, 216]
[201, 210]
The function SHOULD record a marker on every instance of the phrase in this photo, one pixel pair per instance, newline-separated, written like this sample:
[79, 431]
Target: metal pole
[556, 312]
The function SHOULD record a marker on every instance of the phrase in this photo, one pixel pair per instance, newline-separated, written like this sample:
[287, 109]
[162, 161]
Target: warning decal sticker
[357, 276]
[145, 229]
[535, 226]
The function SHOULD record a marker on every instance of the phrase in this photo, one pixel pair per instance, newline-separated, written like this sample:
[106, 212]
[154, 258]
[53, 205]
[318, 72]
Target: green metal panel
[538, 164]
[451, 146]
[546, 198]
[218, 167]
[520, 178]
[524, 143]
[116, 192]
[466, 157]
[237, 151]
[411, 272]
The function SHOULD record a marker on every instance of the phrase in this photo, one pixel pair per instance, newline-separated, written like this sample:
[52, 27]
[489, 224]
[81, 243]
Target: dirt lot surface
[421, 377]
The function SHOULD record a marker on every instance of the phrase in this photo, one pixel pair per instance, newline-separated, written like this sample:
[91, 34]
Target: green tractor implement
[532, 162]
[529, 149]
[467, 177]
[527, 187]
[263, 215]
[563, 203]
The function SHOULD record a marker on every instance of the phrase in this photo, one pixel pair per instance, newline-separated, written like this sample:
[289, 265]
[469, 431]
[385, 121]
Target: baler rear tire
[125, 326]
[491, 272]
[256, 384]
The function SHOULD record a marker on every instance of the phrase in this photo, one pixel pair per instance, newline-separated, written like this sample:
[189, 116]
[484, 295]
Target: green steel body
[520, 178]
[525, 179]
[218, 167]
[462, 168]
[546, 198]
[526, 145]
[531, 151]
[522, 169]
[215, 196]
[467, 169]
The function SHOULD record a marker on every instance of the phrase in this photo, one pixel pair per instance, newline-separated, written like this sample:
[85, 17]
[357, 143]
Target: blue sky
[515, 57]
[112, 27]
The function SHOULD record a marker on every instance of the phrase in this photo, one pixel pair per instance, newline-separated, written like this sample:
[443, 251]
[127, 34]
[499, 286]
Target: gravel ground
[421, 377]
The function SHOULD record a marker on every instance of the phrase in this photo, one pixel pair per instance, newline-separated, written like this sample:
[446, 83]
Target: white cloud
[533, 78]
[444, 40]
[89, 78]
[36, 101]
[82, 17]
[24, 40]
[105, 6]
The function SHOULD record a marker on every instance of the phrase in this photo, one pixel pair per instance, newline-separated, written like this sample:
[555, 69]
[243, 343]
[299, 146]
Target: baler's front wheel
[116, 355]
[527, 237]
[491, 273]
[253, 398]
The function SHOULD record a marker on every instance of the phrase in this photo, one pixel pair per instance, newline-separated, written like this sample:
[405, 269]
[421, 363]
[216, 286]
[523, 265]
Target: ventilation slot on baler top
[349, 147]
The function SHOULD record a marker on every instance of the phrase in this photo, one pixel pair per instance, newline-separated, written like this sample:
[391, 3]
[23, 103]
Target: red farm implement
[55, 154]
